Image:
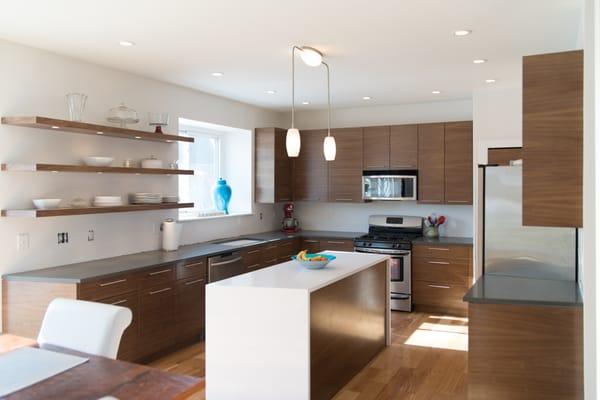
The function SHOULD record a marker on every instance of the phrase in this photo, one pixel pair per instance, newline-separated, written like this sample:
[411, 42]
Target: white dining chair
[86, 326]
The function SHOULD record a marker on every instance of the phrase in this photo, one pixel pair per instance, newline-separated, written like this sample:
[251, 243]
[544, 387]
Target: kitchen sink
[242, 242]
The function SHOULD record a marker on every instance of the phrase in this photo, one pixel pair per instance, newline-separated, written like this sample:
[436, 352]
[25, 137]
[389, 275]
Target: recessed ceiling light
[138, 137]
[367, 97]
[271, 92]
[54, 127]
[99, 133]
[479, 61]
[462, 32]
[435, 92]
[490, 80]
[305, 103]
[126, 43]
[217, 74]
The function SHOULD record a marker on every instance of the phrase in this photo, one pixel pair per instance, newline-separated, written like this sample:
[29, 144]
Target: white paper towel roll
[171, 234]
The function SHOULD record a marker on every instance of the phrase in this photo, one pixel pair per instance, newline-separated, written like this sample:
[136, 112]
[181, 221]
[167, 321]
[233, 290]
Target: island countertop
[292, 275]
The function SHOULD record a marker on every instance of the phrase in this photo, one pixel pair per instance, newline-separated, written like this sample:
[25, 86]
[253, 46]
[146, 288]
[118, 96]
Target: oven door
[400, 273]
[389, 187]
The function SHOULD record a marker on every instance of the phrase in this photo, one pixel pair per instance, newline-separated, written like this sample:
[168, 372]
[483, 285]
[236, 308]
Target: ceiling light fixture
[217, 74]
[479, 61]
[462, 32]
[329, 147]
[270, 92]
[54, 127]
[311, 57]
[126, 43]
[435, 92]
[367, 98]
[305, 103]
[490, 81]
[99, 133]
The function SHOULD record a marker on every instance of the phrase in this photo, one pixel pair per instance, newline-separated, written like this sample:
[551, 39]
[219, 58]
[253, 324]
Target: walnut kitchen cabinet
[273, 166]
[404, 146]
[345, 173]
[310, 168]
[553, 139]
[458, 162]
[431, 163]
[376, 148]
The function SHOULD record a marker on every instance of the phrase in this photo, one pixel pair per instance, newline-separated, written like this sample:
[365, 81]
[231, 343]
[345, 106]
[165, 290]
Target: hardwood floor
[427, 360]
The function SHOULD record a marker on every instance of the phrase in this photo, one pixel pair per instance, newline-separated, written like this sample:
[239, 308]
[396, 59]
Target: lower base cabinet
[317, 245]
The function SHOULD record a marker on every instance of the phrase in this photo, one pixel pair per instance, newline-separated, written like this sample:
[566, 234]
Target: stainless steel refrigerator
[511, 249]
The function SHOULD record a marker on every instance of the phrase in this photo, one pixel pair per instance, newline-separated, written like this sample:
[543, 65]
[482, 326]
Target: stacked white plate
[146, 198]
[108, 201]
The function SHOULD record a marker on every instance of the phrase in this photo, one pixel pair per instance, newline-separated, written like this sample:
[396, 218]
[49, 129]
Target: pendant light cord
[328, 100]
[293, 82]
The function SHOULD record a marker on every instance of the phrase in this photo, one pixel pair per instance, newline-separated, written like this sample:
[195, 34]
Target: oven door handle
[397, 296]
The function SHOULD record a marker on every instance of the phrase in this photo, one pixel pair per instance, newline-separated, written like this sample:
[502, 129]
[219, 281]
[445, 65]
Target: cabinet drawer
[337, 244]
[311, 245]
[286, 250]
[157, 314]
[190, 269]
[268, 255]
[441, 251]
[158, 275]
[437, 296]
[251, 258]
[444, 271]
[127, 347]
[107, 287]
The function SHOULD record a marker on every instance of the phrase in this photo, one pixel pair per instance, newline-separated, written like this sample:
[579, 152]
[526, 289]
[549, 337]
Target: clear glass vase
[76, 104]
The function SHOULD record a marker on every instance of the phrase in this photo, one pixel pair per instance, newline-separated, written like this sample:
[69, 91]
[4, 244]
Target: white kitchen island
[287, 333]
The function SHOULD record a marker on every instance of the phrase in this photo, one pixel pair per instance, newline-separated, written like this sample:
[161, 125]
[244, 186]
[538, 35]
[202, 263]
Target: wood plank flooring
[427, 360]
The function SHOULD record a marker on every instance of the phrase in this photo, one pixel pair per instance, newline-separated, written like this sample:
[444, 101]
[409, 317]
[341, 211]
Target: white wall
[35, 82]
[354, 217]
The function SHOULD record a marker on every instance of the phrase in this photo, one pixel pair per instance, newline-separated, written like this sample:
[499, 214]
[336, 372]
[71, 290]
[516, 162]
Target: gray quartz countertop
[451, 240]
[498, 289]
[84, 271]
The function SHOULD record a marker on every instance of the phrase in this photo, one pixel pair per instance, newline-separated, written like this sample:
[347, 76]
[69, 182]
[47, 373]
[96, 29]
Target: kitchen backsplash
[354, 216]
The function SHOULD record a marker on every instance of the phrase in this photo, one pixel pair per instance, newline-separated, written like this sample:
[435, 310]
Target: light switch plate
[22, 241]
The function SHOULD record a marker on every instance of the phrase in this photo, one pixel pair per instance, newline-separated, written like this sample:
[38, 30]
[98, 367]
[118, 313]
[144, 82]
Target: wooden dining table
[101, 377]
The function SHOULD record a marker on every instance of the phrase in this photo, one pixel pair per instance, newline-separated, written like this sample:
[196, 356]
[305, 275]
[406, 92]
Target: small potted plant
[432, 224]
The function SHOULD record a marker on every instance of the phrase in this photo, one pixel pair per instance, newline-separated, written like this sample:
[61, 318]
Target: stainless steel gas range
[393, 235]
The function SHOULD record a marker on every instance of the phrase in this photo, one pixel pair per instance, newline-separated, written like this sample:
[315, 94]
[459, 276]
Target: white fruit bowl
[46, 204]
[94, 161]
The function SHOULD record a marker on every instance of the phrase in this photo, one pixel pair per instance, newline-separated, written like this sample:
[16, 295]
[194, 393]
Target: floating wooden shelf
[88, 169]
[93, 210]
[92, 129]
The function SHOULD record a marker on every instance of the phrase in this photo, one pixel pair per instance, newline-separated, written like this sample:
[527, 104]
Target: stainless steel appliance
[393, 235]
[225, 266]
[513, 249]
[390, 185]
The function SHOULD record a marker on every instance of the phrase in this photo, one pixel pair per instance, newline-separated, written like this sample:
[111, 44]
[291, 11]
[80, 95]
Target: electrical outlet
[62, 237]
[91, 235]
[260, 216]
[22, 241]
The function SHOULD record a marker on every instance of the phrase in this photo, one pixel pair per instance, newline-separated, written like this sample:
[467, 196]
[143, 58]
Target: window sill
[191, 219]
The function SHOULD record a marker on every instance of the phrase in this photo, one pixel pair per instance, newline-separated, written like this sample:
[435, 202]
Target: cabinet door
[458, 161]
[283, 168]
[376, 146]
[190, 307]
[431, 164]
[252, 258]
[157, 317]
[268, 255]
[286, 249]
[128, 347]
[310, 168]
[337, 244]
[553, 139]
[404, 146]
[345, 173]
[311, 245]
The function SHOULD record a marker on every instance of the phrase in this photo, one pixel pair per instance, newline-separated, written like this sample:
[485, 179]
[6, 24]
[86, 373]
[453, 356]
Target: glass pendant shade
[292, 142]
[329, 148]
[311, 57]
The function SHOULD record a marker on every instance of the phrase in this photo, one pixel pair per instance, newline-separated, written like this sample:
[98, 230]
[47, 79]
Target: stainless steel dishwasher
[225, 266]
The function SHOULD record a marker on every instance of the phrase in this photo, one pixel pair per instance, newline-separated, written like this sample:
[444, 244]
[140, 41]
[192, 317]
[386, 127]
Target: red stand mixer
[289, 224]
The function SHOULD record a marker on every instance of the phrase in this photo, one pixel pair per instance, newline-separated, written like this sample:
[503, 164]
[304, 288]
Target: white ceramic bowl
[46, 204]
[151, 163]
[95, 161]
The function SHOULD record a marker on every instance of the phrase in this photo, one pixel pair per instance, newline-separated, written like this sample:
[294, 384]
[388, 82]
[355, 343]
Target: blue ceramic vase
[222, 195]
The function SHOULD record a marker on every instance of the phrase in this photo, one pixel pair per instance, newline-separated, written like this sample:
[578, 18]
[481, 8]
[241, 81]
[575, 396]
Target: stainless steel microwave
[390, 185]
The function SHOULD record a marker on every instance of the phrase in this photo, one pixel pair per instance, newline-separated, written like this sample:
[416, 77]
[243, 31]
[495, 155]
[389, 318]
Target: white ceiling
[396, 51]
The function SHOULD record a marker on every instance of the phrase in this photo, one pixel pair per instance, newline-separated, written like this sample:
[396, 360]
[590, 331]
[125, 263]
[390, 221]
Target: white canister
[171, 233]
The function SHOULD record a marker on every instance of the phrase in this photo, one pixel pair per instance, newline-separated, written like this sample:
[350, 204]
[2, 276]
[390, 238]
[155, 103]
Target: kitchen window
[217, 152]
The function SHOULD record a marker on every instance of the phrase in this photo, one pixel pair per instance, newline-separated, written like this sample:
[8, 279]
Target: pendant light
[329, 147]
[311, 57]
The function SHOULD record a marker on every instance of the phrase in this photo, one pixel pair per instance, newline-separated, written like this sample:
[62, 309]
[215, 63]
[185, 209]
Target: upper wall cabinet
[376, 148]
[404, 146]
[345, 173]
[458, 162]
[273, 166]
[553, 139]
[430, 183]
[310, 168]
